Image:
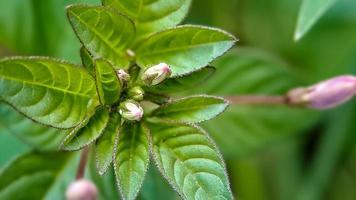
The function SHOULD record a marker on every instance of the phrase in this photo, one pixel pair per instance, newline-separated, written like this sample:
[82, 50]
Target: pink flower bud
[131, 110]
[326, 94]
[156, 74]
[123, 75]
[82, 190]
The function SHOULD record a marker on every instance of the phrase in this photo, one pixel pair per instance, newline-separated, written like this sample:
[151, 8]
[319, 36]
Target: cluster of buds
[131, 109]
[326, 94]
[82, 190]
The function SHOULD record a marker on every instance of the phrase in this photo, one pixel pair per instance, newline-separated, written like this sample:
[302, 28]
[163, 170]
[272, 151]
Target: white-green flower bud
[82, 190]
[131, 110]
[136, 93]
[156, 74]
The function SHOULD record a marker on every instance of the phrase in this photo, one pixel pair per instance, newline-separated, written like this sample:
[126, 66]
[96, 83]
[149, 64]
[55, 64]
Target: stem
[82, 163]
[258, 100]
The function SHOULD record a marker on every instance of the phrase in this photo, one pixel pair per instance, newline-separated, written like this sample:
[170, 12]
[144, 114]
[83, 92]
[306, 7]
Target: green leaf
[38, 176]
[310, 12]
[243, 129]
[131, 159]
[87, 61]
[104, 32]
[48, 91]
[39, 137]
[185, 48]
[104, 147]
[153, 15]
[107, 82]
[193, 109]
[88, 131]
[190, 161]
[178, 84]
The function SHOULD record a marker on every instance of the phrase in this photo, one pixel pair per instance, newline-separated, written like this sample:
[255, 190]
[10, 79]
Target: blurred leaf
[95, 27]
[87, 132]
[48, 91]
[185, 48]
[37, 136]
[310, 12]
[340, 126]
[190, 161]
[245, 128]
[152, 16]
[33, 27]
[105, 145]
[38, 176]
[131, 159]
[107, 82]
[192, 109]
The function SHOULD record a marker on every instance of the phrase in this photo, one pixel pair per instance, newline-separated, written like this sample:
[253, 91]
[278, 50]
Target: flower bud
[326, 94]
[136, 93]
[131, 110]
[156, 74]
[82, 190]
[123, 75]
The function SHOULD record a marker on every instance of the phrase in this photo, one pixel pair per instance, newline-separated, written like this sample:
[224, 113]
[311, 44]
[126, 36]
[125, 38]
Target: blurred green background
[272, 152]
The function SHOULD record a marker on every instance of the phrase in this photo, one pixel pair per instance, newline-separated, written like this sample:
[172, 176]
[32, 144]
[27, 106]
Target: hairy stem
[82, 163]
[258, 100]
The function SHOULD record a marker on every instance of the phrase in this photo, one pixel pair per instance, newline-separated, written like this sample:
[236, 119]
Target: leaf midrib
[181, 48]
[46, 86]
[97, 33]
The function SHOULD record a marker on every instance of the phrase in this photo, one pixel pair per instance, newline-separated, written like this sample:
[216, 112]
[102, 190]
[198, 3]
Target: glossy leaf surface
[48, 91]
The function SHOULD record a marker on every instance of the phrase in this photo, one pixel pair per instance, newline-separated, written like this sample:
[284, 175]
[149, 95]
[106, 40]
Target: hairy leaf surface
[104, 32]
[182, 83]
[131, 159]
[107, 82]
[190, 161]
[152, 15]
[48, 91]
[192, 109]
[185, 48]
[104, 147]
[87, 60]
[90, 130]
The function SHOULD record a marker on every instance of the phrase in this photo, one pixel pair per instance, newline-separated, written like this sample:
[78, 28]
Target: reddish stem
[257, 100]
[82, 163]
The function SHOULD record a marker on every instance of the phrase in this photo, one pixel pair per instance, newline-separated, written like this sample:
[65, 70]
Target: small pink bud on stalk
[123, 75]
[82, 190]
[156, 74]
[326, 94]
[131, 110]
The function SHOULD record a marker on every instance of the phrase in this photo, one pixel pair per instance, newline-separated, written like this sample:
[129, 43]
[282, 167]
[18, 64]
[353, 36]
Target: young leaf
[48, 91]
[104, 32]
[185, 49]
[90, 130]
[104, 147]
[152, 16]
[87, 60]
[192, 109]
[39, 137]
[190, 161]
[107, 82]
[38, 176]
[186, 82]
[310, 12]
[131, 159]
